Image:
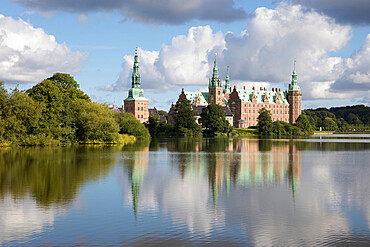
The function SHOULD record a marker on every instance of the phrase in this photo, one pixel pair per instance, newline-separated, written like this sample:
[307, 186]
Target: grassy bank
[42, 141]
[244, 132]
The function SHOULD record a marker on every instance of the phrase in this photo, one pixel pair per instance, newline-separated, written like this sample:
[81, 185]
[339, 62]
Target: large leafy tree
[94, 122]
[128, 124]
[184, 119]
[264, 125]
[214, 120]
[304, 124]
[68, 86]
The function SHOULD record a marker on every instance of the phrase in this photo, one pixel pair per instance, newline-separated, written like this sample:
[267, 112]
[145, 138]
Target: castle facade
[245, 104]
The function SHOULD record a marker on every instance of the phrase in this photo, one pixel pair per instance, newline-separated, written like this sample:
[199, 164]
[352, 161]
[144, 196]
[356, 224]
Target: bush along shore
[57, 112]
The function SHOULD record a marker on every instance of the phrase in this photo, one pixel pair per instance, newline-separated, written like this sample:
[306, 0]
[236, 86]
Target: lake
[189, 192]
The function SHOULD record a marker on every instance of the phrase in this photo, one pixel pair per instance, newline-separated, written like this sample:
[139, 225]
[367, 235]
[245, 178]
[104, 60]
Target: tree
[329, 124]
[304, 124]
[94, 122]
[184, 119]
[68, 86]
[128, 124]
[278, 128]
[214, 120]
[50, 95]
[264, 125]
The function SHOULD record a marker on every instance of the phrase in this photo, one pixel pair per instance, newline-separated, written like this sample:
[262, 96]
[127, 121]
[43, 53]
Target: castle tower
[294, 99]
[136, 103]
[215, 88]
[227, 90]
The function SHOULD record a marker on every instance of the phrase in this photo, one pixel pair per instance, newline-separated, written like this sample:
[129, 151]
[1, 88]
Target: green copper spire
[136, 92]
[215, 81]
[294, 85]
[135, 73]
[227, 82]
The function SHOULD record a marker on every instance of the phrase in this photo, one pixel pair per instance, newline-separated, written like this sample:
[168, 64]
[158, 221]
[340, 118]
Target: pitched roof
[192, 97]
[246, 96]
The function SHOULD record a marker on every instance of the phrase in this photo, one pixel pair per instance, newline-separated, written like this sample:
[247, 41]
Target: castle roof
[246, 96]
[204, 97]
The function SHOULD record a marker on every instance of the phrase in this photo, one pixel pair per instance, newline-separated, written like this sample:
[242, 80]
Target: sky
[176, 40]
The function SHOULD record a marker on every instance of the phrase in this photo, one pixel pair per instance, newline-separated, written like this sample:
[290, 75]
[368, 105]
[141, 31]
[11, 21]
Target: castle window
[219, 92]
[141, 116]
[138, 108]
[249, 119]
[249, 110]
[253, 111]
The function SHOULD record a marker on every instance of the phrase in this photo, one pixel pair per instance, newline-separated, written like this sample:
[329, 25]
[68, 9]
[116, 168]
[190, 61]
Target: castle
[245, 104]
[241, 106]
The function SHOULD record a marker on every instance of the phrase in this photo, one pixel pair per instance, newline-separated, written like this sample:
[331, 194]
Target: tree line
[340, 118]
[213, 122]
[56, 111]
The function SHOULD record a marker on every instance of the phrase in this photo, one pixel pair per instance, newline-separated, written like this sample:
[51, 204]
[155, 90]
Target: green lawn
[244, 132]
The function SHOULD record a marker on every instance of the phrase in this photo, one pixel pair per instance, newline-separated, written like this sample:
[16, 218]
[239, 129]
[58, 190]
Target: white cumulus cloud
[28, 54]
[265, 51]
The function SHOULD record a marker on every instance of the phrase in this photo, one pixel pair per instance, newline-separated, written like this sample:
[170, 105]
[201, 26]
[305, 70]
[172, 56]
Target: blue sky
[95, 42]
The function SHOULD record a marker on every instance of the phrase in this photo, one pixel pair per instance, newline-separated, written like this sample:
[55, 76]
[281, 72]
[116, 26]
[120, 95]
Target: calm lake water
[189, 192]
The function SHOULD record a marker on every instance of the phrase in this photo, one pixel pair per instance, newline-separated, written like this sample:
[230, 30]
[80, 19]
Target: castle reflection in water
[227, 163]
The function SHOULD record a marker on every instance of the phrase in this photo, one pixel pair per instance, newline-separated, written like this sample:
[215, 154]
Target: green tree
[94, 122]
[303, 123]
[128, 124]
[354, 119]
[329, 124]
[184, 119]
[21, 117]
[50, 95]
[68, 86]
[214, 120]
[278, 128]
[264, 125]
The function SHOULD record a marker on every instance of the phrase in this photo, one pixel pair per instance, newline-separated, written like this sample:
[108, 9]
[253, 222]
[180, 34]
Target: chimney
[279, 89]
[182, 91]
[260, 88]
[264, 89]
[273, 89]
[244, 87]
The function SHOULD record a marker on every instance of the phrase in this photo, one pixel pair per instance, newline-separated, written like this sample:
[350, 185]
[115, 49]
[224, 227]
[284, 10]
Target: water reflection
[52, 175]
[225, 162]
[37, 184]
[220, 191]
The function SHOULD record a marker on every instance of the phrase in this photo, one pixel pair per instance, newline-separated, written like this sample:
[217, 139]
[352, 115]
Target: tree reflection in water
[52, 175]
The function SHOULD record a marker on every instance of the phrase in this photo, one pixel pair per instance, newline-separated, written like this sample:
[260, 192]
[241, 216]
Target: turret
[227, 89]
[135, 102]
[136, 79]
[294, 98]
[215, 87]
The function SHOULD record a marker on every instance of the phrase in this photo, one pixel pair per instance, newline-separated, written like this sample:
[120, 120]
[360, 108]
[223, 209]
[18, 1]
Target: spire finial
[136, 51]
[294, 65]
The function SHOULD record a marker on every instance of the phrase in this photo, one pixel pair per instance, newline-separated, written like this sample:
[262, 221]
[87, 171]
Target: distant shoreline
[344, 133]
